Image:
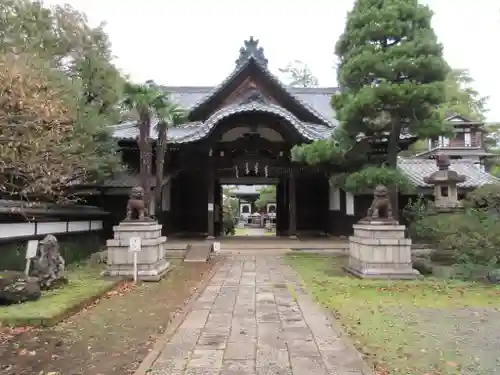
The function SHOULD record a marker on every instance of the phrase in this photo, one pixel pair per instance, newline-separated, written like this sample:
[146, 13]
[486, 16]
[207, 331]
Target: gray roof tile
[246, 189]
[251, 59]
[129, 130]
[192, 132]
[416, 169]
[318, 98]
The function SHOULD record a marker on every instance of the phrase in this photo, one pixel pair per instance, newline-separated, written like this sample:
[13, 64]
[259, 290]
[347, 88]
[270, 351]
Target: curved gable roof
[243, 71]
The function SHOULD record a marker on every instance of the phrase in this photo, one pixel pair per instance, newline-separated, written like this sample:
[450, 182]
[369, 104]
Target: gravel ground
[471, 335]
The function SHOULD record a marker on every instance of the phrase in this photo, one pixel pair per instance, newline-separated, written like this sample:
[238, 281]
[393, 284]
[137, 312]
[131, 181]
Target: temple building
[241, 132]
[468, 142]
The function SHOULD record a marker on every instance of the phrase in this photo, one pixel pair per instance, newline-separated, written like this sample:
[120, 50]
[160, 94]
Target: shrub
[486, 197]
[371, 176]
[473, 236]
[415, 209]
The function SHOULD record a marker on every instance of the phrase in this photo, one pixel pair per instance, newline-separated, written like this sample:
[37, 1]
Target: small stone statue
[49, 265]
[381, 204]
[136, 209]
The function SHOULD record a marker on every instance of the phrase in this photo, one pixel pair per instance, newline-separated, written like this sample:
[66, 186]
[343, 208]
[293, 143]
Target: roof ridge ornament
[251, 49]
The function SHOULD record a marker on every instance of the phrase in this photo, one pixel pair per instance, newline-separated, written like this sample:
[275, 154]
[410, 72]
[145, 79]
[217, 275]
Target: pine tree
[391, 72]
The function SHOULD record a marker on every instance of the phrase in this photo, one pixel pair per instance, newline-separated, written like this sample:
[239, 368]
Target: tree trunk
[161, 151]
[392, 161]
[145, 155]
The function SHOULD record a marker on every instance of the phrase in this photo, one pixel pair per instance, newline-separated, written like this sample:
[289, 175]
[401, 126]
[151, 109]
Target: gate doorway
[249, 210]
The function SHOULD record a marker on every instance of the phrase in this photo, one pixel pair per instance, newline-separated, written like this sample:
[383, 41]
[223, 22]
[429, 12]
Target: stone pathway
[255, 318]
[256, 232]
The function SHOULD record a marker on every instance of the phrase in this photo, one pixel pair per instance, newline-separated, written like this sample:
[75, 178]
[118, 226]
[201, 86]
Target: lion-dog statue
[136, 209]
[381, 205]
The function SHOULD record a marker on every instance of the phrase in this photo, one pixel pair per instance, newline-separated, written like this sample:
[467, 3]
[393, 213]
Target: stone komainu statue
[381, 205]
[49, 265]
[136, 209]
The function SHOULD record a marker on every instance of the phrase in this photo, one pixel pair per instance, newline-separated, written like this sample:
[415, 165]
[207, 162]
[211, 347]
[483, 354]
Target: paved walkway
[255, 318]
[256, 232]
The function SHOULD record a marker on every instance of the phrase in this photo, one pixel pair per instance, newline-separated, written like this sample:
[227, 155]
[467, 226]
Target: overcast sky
[195, 42]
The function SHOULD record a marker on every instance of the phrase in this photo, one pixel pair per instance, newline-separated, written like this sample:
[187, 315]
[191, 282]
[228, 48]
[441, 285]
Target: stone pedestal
[151, 260]
[380, 250]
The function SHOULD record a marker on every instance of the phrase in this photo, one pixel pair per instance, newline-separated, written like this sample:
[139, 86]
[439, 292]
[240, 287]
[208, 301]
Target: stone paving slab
[255, 317]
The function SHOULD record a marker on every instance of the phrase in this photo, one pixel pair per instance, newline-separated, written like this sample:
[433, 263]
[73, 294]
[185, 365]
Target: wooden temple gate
[247, 148]
[243, 131]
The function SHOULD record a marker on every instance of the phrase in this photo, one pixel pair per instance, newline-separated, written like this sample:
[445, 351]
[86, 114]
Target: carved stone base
[152, 264]
[379, 250]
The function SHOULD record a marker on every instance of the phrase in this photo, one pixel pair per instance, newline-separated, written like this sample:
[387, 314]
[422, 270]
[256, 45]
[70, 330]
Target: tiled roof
[246, 189]
[318, 98]
[451, 150]
[130, 130]
[315, 100]
[416, 169]
[461, 120]
[252, 60]
[192, 132]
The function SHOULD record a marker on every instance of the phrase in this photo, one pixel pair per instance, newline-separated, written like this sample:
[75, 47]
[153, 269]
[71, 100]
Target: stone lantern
[445, 183]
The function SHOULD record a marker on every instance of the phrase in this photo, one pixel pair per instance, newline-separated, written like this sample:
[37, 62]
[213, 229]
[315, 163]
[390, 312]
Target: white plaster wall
[51, 227]
[334, 198]
[8, 230]
[349, 204]
[19, 230]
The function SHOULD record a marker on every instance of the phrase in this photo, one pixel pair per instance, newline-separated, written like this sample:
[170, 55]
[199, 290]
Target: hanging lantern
[236, 170]
[265, 171]
[247, 171]
[256, 168]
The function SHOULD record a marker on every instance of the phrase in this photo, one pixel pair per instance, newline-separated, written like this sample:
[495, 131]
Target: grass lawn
[244, 232]
[430, 326]
[240, 232]
[84, 283]
[110, 337]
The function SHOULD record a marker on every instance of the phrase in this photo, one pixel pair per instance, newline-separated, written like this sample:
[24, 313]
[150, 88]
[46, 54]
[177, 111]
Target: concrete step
[199, 252]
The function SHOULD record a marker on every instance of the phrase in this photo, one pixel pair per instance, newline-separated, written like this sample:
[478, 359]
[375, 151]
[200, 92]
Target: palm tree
[170, 115]
[146, 101]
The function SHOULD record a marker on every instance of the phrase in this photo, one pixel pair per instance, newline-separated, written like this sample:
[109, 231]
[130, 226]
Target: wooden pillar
[211, 206]
[218, 207]
[292, 208]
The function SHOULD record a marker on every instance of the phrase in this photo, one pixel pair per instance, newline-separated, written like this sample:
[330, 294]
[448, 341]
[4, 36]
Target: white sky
[195, 42]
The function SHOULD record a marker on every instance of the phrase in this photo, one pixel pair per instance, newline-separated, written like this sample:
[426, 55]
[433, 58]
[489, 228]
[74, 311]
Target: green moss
[85, 284]
[383, 315]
